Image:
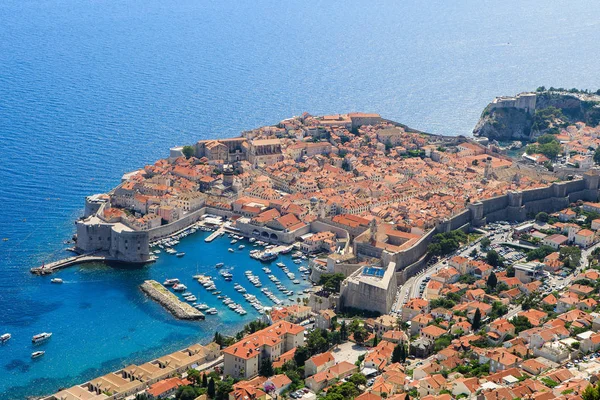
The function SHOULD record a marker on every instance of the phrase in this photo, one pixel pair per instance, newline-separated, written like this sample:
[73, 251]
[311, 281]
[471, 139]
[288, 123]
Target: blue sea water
[92, 89]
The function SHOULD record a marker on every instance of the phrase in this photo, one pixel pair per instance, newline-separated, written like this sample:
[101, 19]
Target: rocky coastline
[169, 301]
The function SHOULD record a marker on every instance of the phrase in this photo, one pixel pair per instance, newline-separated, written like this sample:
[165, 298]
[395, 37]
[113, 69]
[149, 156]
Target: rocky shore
[169, 301]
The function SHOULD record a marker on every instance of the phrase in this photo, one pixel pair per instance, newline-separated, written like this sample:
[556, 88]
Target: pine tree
[266, 367]
[492, 281]
[397, 353]
[204, 380]
[375, 341]
[211, 388]
[476, 320]
[344, 331]
[402, 351]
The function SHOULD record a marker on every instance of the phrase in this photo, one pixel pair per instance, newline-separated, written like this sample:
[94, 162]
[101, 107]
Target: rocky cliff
[553, 110]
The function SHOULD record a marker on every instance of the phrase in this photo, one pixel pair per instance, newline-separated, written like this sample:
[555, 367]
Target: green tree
[521, 323]
[510, 271]
[542, 217]
[332, 281]
[343, 330]
[591, 393]
[360, 335]
[476, 320]
[398, 353]
[266, 367]
[597, 155]
[188, 151]
[301, 355]
[492, 281]
[186, 393]
[194, 376]
[358, 379]
[493, 258]
[375, 341]
[485, 242]
[210, 390]
[204, 380]
[142, 396]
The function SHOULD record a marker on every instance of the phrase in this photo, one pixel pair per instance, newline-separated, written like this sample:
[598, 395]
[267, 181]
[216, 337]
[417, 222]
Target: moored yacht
[179, 287]
[219, 265]
[5, 337]
[56, 280]
[171, 282]
[41, 337]
[37, 354]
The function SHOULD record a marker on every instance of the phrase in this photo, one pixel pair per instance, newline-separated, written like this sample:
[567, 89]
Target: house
[498, 329]
[501, 360]
[585, 238]
[165, 388]
[249, 390]
[446, 275]
[554, 351]
[395, 336]
[318, 363]
[419, 322]
[243, 358]
[383, 324]
[533, 366]
[324, 319]
[433, 288]
[277, 384]
[555, 241]
[421, 348]
[325, 378]
[380, 356]
[432, 385]
[432, 332]
[414, 307]
[465, 386]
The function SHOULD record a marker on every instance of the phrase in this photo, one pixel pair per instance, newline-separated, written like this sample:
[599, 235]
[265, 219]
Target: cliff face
[504, 124]
[512, 123]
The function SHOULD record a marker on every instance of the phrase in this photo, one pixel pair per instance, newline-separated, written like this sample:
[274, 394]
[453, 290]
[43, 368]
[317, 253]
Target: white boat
[211, 288]
[191, 298]
[202, 307]
[5, 337]
[230, 250]
[211, 311]
[241, 247]
[156, 251]
[280, 264]
[186, 294]
[41, 337]
[56, 280]
[252, 240]
[296, 281]
[180, 254]
[37, 354]
[171, 282]
[234, 241]
[219, 265]
[179, 287]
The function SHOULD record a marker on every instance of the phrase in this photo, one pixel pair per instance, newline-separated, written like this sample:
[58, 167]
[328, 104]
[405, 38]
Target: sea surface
[92, 89]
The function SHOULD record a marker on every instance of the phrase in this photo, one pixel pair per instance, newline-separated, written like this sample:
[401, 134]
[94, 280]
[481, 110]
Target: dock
[215, 234]
[67, 262]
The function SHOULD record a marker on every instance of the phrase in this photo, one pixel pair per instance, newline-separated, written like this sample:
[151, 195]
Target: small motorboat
[5, 337]
[230, 250]
[41, 337]
[37, 354]
[219, 265]
[212, 311]
[241, 247]
[171, 282]
[179, 287]
[180, 254]
[191, 298]
[56, 280]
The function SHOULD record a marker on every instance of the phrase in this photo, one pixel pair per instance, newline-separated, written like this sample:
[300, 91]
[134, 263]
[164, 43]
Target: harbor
[130, 327]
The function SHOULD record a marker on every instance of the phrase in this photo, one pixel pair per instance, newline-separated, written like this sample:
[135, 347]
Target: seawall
[169, 301]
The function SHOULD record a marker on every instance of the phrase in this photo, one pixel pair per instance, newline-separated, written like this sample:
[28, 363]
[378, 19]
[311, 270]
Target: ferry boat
[180, 254]
[219, 265]
[41, 337]
[171, 282]
[5, 337]
[37, 354]
[179, 287]
[56, 280]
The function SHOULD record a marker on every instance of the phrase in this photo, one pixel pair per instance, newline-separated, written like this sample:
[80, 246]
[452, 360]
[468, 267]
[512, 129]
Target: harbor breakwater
[169, 301]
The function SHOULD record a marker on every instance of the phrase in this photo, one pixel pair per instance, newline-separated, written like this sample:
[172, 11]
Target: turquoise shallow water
[90, 90]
